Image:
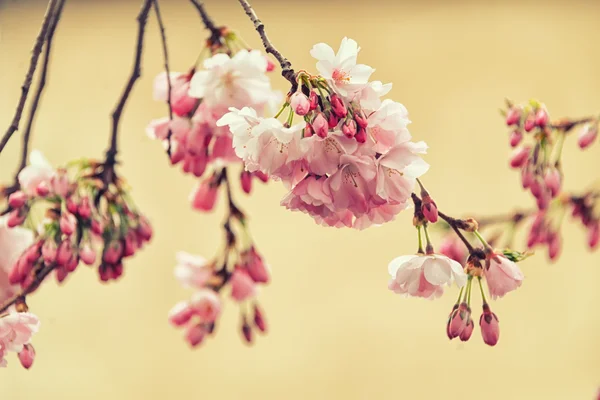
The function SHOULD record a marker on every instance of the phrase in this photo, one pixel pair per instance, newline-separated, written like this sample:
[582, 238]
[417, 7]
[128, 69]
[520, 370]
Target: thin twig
[136, 72]
[286, 67]
[37, 49]
[36, 100]
[165, 49]
[39, 278]
[514, 217]
[215, 31]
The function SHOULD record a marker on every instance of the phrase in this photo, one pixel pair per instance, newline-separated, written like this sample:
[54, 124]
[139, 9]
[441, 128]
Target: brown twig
[515, 217]
[108, 175]
[39, 278]
[165, 49]
[566, 124]
[36, 100]
[215, 31]
[286, 67]
[37, 49]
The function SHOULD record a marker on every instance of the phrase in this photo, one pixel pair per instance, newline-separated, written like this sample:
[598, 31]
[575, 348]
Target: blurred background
[336, 332]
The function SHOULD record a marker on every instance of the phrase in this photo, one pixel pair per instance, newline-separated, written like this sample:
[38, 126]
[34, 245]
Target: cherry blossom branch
[215, 31]
[111, 153]
[286, 67]
[515, 217]
[37, 49]
[20, 296]
[163, 38]
[234, 211]
[566, 124]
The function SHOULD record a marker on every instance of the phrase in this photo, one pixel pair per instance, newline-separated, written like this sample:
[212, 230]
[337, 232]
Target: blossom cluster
[199, 98]
[84, 217]
[350, 160]
[16, 330]
[238, 270]
[539, 160]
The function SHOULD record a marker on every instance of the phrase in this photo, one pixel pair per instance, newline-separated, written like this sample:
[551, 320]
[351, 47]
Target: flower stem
[420, 240]
[481, 290]
[481, 239]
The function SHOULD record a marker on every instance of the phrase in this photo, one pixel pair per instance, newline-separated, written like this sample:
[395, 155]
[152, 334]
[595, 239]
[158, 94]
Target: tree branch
[111, 153]
[215, 31]
[163, 38]
[286, 67]
[39, 278]
[37, 49]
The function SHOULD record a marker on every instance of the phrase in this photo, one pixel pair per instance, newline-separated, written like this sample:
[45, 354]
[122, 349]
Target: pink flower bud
[117, 270]
[320, 126]
[195, 335]
[205, 195]
[308, 131]
[247, 332]
[313, 100]
[349, 128]
[519, 156]
[337, 106]
[27, 356]
[429, 209]
[270, 65]
[361, 120]
[259, 319]
[535, 232]
[262, 176]
[17, 199]
[300, 103]
[33, 252]
[180, 314]
[361, 135]
[332, 121]
[255, 266]
[60, 183]
[104, 272]
[130, 246]
[513, 116]
[49, 251]
[72, 263]
[178, 152]
[490, 329]
[72, 205]
[527, 177]
[87, 254]
[144, 229]
[68, 223]
[541, 118]
[242, 285]
[554, 245]
[458, 320]
[64, 253]
[543, 201]
[113, 252]
[246, 180]
[61, 273]
[16, 217]
[199, 165]
[593, 234]
[42, 189]
[529, 123]
[97, 227]
[84, 210]
[552, 180]
[587, 135]
[515, 137]
[19, 270]
[465, 335]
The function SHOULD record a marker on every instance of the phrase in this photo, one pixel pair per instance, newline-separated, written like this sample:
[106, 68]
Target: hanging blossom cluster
[538, 146]
[87, 218]
[350, 161]
[233, 76]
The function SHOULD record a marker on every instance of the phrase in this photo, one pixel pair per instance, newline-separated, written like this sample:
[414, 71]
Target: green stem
[460, 294]
[481, 239]
[481, 290]
[420, 239]
[286, 104]
[470, 284]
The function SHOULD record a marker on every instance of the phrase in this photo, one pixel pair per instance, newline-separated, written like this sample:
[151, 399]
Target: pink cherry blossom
[204, 197]
[490, 328]
[340, 69]
[13, 242]
[27, 356]
[206, 305]
[502, 275]
[16, 330]
[192, 271]
[242, 285]
[299, 103]
[587, 135]
[39, 171]
[255, 265]
[236, 81]
[424, 275]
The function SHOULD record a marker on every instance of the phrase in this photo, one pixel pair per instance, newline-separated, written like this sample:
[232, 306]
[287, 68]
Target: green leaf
[516, 256]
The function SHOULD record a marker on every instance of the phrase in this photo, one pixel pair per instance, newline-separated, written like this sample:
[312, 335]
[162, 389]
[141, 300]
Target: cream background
[336, 332]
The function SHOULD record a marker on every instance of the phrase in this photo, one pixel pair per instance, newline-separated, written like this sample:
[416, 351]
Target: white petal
[402, 262]
[322, 51]
[437, 271]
